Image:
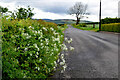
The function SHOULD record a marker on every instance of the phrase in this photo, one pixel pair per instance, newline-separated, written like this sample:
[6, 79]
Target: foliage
[113, 27]
[110, 20]
[60, 24]
[0, 53]
[80, 25]
[63, 27]
[92, 23]
[3, 10]
[30, 48]
[22, 13]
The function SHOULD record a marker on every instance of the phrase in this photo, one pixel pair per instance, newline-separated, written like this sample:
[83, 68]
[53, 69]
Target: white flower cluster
[38, 32]
[63, 64]
[55, 33]
[26, 35]
[52, 29]
[68, 41]
[44, 29]
[31, 27]
[49, 45]
[38, 68]
[71, 48]
[64, 47]
[35, 45]
[25, 49]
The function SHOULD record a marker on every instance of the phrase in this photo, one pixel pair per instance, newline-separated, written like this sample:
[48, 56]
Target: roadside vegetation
[111, 24]
[113, 27]
[88, 27]
[62, 27]
[31, 48]
[108, 24]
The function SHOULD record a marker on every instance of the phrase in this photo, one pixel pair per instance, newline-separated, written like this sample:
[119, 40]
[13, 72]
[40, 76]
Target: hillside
[63, 21]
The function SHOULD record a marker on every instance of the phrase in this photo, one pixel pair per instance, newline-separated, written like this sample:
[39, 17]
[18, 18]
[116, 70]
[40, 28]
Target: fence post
[93, 25]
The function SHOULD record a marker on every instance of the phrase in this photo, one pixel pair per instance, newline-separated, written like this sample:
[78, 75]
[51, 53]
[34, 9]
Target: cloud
[54, 9]
[48, 15]
[11, 6]
[7, 1]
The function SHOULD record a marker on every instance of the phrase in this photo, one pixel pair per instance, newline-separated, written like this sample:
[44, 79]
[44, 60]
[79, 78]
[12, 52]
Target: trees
[3, 10]
[20, 13]
[79, 10]
[23, 13]
[108, 20]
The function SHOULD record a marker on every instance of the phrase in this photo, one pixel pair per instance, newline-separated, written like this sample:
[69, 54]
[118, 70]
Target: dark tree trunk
[93, 25]
[78, 20]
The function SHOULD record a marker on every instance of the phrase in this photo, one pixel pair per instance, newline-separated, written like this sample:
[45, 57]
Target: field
[65, 21]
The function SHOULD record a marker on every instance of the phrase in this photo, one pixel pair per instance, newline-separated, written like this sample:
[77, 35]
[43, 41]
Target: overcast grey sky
[57, 9]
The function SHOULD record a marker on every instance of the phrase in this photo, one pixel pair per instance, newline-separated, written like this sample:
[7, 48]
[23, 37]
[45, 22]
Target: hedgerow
[113, 27]
[79, 25]
[30, 48]
[110, 20]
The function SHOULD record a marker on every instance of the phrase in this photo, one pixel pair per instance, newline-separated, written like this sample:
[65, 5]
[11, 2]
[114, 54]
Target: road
[95, 55]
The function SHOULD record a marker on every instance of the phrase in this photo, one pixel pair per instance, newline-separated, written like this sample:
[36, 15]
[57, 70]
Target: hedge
[30, 48]
[113, 27]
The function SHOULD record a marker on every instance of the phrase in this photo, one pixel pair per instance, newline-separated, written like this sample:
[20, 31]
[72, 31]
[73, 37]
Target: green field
[89, 27]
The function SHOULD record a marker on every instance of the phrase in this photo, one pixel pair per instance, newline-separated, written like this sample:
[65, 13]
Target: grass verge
[88, 27]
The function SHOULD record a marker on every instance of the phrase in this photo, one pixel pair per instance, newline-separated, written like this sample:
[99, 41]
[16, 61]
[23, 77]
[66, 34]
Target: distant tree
[79, 10]
[23, 13]
[3, 10]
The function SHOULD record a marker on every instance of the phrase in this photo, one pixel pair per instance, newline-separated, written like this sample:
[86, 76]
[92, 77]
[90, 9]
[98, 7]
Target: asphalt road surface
[95, 55]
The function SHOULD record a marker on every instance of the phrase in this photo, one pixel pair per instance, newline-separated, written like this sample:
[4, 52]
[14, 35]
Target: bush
[113, 27]
[60, 24]
[81, 25]
[30, 48]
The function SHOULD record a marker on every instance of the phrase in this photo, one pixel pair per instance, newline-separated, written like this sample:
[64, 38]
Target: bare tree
[79, 10]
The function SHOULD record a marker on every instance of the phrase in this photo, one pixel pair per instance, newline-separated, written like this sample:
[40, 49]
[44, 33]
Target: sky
[57, 9]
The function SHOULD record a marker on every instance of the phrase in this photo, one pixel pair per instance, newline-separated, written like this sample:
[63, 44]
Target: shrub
[113, 27]
[30, 48]
[81, 25]
[60, 24]
[63, 27]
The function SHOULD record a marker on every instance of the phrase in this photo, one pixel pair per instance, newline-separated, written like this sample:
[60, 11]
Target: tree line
[110, 20]
[20, 13]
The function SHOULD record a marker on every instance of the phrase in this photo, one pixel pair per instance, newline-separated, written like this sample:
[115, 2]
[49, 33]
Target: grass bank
[88, 27]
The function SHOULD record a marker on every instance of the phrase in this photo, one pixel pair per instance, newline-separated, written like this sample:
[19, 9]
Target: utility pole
[100, 17]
